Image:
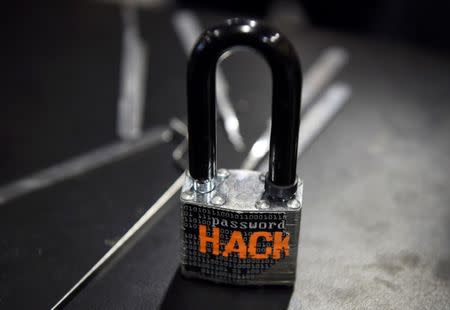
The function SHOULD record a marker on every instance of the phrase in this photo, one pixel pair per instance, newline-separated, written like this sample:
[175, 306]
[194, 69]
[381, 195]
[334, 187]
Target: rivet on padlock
[237, 227]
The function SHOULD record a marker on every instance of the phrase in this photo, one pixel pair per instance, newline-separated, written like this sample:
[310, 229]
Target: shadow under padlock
[201, 295]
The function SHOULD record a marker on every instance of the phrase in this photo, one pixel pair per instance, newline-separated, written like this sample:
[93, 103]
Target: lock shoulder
[239, 191]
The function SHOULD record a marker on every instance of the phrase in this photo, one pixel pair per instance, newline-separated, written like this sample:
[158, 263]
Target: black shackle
[281, 180]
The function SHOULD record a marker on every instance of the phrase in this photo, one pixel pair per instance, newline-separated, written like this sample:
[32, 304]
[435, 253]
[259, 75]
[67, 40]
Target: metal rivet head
[262, 204]
[218, 200]
[223, 173]
[262, 177]
[293, 204]
[189, 195]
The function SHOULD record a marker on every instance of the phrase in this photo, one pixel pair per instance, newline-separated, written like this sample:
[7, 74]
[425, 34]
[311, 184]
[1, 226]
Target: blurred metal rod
[80, 164]
[180, 128]
[322, 71]
[319, 116]
[171, 191]
[133, 73]
[316, 78]
[188, 28]
[259, 149]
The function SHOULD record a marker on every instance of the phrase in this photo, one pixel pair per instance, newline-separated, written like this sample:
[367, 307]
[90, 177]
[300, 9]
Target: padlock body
[241, 237]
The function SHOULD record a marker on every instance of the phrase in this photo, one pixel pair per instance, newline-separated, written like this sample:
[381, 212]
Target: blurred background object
[417, 21]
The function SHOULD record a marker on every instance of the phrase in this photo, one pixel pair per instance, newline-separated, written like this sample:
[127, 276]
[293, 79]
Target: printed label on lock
[239, 246]
[233, 246]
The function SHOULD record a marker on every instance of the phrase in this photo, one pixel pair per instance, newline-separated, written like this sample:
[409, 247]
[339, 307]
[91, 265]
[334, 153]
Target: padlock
[241, 226]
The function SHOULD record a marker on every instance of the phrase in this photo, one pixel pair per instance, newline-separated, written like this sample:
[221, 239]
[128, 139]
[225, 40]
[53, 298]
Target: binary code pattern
[236, 261]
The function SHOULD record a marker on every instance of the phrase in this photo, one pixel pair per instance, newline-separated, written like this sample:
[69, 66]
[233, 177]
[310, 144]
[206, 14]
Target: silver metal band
[203, 186]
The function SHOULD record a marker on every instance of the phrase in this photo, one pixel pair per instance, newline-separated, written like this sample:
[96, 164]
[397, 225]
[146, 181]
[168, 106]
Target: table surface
[375, 227]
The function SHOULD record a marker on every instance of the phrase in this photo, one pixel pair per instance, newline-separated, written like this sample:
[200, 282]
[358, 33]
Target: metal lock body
[238, 226]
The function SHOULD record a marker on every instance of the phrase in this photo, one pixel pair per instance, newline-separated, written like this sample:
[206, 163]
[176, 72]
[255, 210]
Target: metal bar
[328, 65]
[130, 109]
[79, 165]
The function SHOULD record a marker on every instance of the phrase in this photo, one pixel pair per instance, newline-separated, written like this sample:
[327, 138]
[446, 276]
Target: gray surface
[376, 222]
